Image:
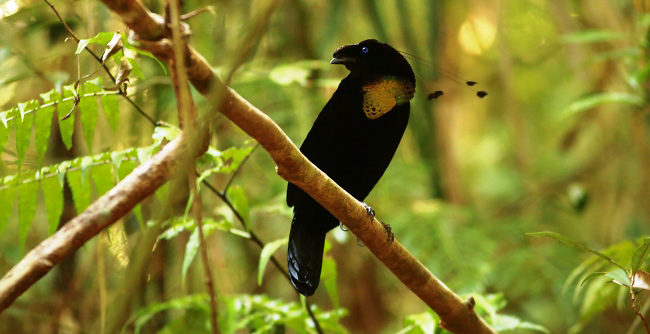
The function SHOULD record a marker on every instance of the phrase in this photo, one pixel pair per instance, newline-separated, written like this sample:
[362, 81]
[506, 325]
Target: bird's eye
[364, 49]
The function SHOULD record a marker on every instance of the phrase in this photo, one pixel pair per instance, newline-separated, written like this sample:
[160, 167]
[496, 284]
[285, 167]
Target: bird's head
[371, 59]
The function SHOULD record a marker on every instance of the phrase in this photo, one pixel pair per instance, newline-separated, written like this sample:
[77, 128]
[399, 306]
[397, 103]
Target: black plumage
[353, 141]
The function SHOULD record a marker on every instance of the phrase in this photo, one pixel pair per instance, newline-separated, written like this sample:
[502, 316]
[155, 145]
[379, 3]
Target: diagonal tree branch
[457, 316]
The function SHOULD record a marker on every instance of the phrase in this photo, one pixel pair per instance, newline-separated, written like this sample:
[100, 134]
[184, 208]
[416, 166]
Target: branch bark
[457, 316]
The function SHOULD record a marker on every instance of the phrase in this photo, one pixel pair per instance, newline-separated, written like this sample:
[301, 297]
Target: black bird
[353, 141]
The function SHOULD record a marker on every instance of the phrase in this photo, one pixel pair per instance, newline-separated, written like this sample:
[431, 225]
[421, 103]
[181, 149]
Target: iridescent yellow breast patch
[382, 95]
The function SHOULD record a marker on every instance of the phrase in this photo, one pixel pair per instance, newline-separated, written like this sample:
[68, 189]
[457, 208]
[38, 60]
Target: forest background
[561, 143]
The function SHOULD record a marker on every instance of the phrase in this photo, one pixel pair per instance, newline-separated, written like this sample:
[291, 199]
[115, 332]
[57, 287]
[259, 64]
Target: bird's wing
[320, 144]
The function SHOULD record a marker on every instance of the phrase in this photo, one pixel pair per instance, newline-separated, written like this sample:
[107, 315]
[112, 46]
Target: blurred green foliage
[561, 143]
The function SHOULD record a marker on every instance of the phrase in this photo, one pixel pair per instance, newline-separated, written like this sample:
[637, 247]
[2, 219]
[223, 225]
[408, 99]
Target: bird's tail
[305, 255]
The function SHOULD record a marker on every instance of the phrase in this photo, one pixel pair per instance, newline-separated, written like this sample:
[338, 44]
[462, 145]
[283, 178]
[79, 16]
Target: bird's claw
[343, 228]
[389, 231]
[359, 243]
[370, 211]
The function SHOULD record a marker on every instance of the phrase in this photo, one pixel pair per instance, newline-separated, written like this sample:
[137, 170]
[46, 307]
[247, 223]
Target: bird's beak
[342, 60]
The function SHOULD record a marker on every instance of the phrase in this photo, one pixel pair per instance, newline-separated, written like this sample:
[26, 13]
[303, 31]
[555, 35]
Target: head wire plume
[449, 74]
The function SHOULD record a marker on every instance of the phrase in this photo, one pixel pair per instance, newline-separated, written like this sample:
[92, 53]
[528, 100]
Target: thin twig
[70, 98]
[253, 237]
[187, 122]
[209, 279]
[635, 306]
[636, 321]
[456, 315]
[261, 244]
[197, 12]
[67, 28]
[138, 109]
[99, 60]
[313, 317]
[222, 196]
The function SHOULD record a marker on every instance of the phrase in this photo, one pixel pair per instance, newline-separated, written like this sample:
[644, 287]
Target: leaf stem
[99, 60]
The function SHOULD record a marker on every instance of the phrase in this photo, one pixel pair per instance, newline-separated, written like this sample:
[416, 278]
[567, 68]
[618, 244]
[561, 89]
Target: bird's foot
[343, 228]
[360, 243]
[389, 231]
[370, 211]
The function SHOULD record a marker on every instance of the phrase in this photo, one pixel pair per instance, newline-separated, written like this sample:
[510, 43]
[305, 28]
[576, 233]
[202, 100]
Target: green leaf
[176, 226]
[3, 116]
[5, 52]
[88, 110]
[188, 206]
[420, 323]
[51, 96]
[595, 100]
[53, 194]
[7, 197]
[81, 193]
[42, 126]
[210, 225]
[193, 244]
[61, 170]
[23, 133]
[295, 72]
[136, 68]
[145, 153]
[577, 245]
[137, 211]
[489, 304]
[162, 193]
[640, 254]
[86, 163]
[234, 156]
[27, 194]
[592, 276]
[192, 302]
[165, 132]
[592, 36]
[43, 120]
[240, 202]
[227, 161]
[503, 322]
[619, 276]
[103, 178]
[66, 126]
[4, 132]
[125, 169]
[228, 311]
[267, 253]
[191, 248]
[111, 108]
[102, 39]
[117, 158]
[329, 276]
[240, 233]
